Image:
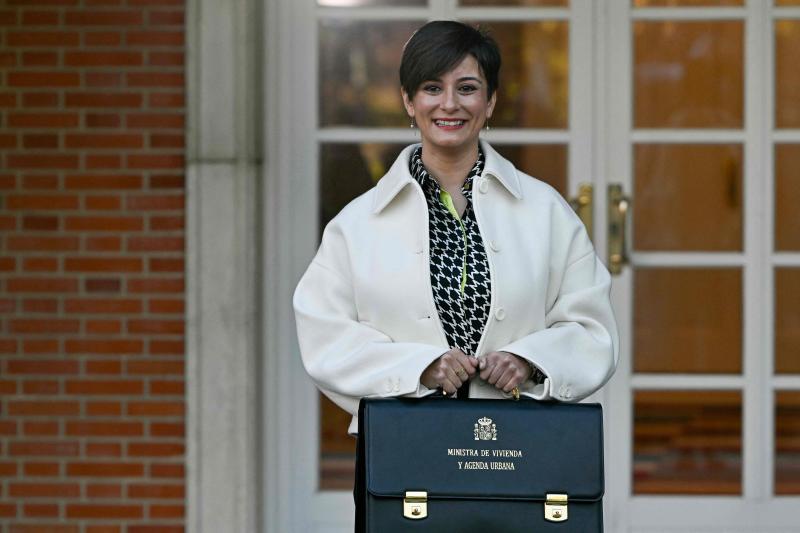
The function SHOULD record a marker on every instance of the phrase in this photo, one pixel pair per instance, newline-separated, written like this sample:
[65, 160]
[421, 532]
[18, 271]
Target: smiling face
[451, 110]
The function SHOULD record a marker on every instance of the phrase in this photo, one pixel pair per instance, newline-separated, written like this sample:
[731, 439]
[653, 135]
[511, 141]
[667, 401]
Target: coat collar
[399, 176]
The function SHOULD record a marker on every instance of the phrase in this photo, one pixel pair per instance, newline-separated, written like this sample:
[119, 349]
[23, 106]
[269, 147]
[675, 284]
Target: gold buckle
[415, 504]
[555, 508]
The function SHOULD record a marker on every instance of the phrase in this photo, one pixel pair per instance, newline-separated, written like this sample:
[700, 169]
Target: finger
[451, 375]
[448, 386]
[507, 380]
[497, 372]
[464, 362]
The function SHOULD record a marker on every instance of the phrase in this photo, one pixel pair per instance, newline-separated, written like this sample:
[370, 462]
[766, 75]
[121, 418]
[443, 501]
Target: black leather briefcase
[500, 466]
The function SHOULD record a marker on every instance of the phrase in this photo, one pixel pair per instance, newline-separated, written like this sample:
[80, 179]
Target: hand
[449, 371]
[504, 370]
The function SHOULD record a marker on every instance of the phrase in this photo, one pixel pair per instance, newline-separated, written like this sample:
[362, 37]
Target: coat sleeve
[579, 348]
[348, 359]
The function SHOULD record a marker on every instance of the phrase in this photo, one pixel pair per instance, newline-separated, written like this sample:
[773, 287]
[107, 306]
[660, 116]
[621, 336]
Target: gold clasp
[415, 504]
[555, 508]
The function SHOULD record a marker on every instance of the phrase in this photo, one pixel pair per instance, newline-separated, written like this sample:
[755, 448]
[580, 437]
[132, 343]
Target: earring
[413, 124]
[487, 124]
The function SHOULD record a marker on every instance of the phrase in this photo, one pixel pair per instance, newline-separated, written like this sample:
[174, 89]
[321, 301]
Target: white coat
[367, 322]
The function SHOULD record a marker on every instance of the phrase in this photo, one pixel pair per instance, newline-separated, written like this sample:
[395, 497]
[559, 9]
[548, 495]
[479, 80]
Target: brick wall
[92, 266]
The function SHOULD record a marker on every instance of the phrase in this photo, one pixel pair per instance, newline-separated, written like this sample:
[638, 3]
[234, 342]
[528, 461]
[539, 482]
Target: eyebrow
[459, 80]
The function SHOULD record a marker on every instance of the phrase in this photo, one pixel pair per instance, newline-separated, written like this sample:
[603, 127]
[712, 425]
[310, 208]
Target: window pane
[539, 3]
[534, 80]
[787, 2]
[687, 197]
[787, 197]
[347, 170]
[547, 162]
[787, 75]
[684, 3]
[687, 320]
[688, 74]
[787, 321]
[687, 442]
[359, 3]
[787, 442]
[358, 68]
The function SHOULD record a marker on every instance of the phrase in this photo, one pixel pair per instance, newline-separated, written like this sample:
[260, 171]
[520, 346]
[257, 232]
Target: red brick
[104, 244]
[155, 38]
[167, 388]
[102, 285]
[159, 470]
[8, 59]
[164, 347]
[43, 38]
[40, 305]
[8, 427]
[8, 182]
[167, 511]
[155, 368]
[102, 161]
[40, 99]
[93, 510]
[40, 264]
[103, 181]
[42, 285]
[105, 387]
[167, 181]
[7, 264]
[8, 18]
[157, 264]
[44, 448]
[104, 367]
[42, 201]
[155, 79]
[103, 529]
[44, 490]
[102, 38]
[9, 510]
[158, 491]
[39, 3]
[8, 469]
[8, 223]
[166, 327]
[102, 59]
[8, 99]
[42, 160]
[41, 386]
[8, 141]
[40, 181]
[7, 305]
[103, 264]
[50, 325]
[154, 409]
[32, 243]
[166, 141]
[102, 79]
[103, 409]
[8, 346]
[40, 223]
[40, 428]
[156, 121]
[103, 203]
[43, 18]
[97, 469]
[105, 141]
[155, 244]
[166, 59]
[104, 100]
[103, 449]
[40, 140]
[171, 18]
[42, 366]
[40, 59]
[43, 120]
[151, 449]
[102, 120]
[158, 3]
[155, 285]
[165, 306]
[156, 202]
[104, 490]
[41, 469]
[89, 305]
[46, 80]
[43, 408]
[167, 430]
[41, 510]
[104, 18]
[94, 327]
[40, 346]
[96, 223]
[102, 429]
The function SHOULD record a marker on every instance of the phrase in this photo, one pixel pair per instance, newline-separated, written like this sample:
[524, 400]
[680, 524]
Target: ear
[407, 103]
[490, 107]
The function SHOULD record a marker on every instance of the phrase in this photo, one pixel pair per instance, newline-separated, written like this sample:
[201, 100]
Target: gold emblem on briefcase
[485, 429]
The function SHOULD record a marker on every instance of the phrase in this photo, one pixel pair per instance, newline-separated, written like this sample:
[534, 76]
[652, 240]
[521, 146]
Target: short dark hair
[440, 46]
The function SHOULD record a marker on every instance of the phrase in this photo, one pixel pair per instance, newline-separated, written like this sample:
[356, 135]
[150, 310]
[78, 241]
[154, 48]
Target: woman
[456, 272]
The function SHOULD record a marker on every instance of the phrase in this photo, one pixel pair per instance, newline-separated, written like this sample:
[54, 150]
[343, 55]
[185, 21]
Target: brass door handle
[618, 208]
[583, 205]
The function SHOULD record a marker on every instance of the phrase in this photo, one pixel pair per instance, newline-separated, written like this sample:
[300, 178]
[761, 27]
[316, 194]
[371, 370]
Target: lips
[452, 123]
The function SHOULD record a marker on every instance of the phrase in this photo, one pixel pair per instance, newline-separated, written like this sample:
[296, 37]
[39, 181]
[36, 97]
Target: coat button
[484, 186]
[500, 314]
[494, 246]
[388, 386]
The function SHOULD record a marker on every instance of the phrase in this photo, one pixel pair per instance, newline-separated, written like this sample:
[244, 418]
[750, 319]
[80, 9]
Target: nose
[449, 100]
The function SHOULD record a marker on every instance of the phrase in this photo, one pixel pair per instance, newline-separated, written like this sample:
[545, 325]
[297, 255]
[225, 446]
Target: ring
[461, 373]
[515, 392]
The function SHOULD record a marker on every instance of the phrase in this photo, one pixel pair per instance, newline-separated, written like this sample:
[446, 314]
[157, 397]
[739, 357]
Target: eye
[468, 88]
[431, 88]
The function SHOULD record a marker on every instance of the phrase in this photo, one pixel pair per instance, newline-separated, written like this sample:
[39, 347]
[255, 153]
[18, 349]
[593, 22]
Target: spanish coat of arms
[485, 429]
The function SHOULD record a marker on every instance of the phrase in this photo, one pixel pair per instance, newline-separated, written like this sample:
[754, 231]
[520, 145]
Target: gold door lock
[618, 208]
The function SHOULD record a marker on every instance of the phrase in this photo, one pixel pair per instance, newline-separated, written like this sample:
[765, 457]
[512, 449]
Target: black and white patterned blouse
[459, 266]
